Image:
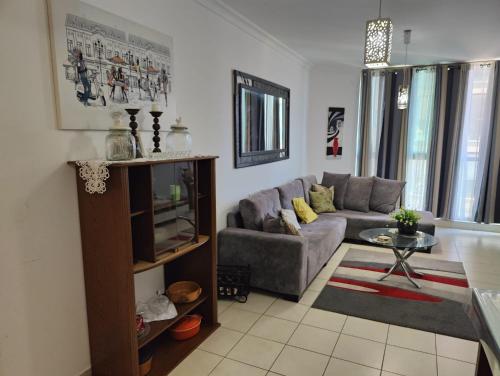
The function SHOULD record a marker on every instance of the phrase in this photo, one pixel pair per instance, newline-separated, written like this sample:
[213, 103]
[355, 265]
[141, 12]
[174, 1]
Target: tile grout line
[436, 345]
[237, 342]
[336, 343]
[385, 349]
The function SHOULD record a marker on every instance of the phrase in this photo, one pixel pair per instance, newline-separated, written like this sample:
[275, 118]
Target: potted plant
[407, 221]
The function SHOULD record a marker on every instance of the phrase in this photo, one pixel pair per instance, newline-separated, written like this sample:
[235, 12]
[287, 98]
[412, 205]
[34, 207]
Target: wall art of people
[103, 61]
[335, 133]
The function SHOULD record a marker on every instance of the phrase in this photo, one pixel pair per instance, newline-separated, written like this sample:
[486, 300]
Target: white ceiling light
[378, 42]
[404, 89]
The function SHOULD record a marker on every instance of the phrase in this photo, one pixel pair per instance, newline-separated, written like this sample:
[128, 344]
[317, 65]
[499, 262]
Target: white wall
[332, 85]
[43, 329]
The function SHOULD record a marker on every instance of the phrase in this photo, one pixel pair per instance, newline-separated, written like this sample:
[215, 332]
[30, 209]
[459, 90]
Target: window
[421, 123]
[473, 143]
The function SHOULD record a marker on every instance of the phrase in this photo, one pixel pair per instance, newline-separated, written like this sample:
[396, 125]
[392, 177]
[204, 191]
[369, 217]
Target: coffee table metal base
[401, 256]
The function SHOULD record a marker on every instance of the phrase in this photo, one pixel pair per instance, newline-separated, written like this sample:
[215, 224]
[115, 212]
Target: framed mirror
[261, 121]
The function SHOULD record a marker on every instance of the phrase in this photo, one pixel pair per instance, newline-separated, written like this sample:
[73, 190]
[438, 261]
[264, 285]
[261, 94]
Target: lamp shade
[378, 43]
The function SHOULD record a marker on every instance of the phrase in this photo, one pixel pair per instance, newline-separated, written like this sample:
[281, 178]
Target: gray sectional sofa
[287, 264]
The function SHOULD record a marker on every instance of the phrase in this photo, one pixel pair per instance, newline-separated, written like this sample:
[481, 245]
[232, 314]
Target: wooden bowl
[186, 328]
[183, 292]
[145, 368]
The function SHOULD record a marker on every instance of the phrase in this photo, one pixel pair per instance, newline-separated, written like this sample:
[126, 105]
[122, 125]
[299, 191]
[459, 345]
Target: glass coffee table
[403, 247]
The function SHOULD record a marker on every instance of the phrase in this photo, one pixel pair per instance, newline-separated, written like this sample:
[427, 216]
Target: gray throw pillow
[385, 194]
[339, 182]
[358, 194]
[289, 191]
[274, 225]
[254, 208]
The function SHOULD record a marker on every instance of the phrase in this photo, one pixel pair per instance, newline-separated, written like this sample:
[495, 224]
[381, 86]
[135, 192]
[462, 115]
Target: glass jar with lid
[120, 144]
[179, 140]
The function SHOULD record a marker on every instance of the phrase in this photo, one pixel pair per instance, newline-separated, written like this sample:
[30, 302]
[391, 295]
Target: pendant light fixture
[404, 89]
[378, 42]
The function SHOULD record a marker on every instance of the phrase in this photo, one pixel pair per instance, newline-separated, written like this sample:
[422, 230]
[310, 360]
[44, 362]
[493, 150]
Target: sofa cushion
[358, 194]
[359, 221]
[339, 183]
[254, 208]
[324, 236]
[290, 191]
[308, 181]
[385, 194]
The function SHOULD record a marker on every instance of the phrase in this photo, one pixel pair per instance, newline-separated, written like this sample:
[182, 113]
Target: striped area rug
[440, 306]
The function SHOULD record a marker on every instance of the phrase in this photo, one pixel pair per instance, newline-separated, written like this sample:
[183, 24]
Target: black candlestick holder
[156, 127]
[133, 125]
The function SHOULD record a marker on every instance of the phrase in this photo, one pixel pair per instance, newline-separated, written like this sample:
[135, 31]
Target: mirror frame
[253, 158]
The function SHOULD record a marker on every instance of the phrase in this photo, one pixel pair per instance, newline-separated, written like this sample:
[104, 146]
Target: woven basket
[183, 292]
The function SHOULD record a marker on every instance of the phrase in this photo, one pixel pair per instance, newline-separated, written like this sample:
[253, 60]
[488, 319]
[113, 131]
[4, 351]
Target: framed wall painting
[335, 133]
[103, 63]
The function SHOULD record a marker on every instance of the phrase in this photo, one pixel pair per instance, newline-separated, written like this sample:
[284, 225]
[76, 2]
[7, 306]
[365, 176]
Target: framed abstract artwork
[103, 63]
[335, 133]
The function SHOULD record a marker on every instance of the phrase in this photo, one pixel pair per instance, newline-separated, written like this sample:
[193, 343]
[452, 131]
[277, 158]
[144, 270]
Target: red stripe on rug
[426, 277]
[390, 291]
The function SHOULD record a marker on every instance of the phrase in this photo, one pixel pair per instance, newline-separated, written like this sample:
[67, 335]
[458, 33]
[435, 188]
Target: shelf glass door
[174, 205]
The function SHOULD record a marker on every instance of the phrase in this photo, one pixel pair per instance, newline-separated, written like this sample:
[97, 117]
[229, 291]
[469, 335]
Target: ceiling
[333, 30]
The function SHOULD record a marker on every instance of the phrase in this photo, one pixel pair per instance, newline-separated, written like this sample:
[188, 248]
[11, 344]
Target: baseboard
[468, 225]
[87, 372]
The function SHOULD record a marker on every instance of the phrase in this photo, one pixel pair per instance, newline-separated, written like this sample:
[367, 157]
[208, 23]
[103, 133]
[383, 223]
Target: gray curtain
[450, 90]
[450, 111]
[489, 200]
[394, 118]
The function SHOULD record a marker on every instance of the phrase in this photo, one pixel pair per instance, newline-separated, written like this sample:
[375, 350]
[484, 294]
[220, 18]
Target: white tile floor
[271, 336]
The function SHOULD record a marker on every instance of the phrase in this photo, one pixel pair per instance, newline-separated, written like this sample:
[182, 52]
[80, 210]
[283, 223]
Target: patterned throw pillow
[304, 211]
[322, 202]
[291, 221]
[322, 188]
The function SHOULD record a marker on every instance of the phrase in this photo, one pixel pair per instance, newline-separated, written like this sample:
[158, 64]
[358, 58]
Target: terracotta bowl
[186, 328]
[183, 292]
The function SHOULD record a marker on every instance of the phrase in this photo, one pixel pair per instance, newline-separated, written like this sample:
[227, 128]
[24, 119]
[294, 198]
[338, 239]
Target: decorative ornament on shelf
[179, 140]
[378, 42]
[120, 144]
[156, 113]
[404, 89]
[133, 126]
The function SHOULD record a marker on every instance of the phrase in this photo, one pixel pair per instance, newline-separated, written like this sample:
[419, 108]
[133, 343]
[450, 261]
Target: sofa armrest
[278, 262]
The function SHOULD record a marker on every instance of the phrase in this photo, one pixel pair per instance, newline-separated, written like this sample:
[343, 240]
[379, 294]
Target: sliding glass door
[474, 142]
[421, 123]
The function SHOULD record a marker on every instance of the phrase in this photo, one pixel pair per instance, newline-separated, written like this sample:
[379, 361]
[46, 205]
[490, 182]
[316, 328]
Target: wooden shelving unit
[119, 230]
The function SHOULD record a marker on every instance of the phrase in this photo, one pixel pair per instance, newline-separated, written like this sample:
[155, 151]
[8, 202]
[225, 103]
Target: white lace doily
[94, 173]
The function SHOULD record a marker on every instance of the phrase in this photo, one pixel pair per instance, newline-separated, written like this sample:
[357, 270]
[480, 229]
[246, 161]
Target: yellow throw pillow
[304, 211]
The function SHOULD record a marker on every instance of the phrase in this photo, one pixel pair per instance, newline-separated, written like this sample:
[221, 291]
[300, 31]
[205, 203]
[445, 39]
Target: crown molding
[241, 22]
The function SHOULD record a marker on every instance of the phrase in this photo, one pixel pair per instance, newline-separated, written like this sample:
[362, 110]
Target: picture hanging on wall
[335, 133]
[103, 62]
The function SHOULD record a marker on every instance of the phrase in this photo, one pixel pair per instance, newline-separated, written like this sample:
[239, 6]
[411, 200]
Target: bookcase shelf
[142, 266]
[118, 230]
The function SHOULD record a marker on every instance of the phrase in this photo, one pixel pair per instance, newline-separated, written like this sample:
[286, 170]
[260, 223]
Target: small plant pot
[407, 230]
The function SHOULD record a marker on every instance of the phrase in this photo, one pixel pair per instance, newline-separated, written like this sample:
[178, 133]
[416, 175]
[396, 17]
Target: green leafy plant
[406, 216]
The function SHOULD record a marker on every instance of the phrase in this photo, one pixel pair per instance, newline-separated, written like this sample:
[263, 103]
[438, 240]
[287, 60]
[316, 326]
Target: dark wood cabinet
[153, 214]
